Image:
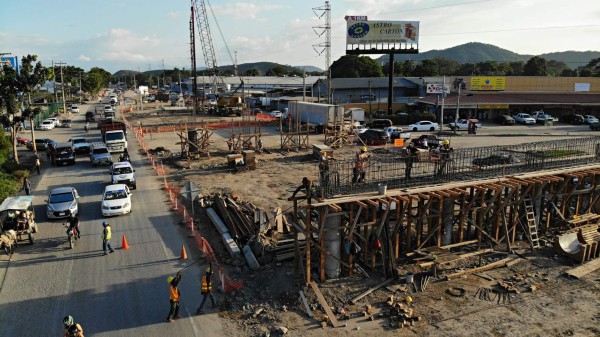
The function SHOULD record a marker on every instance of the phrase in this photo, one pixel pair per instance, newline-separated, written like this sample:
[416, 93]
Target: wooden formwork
[489, 213]
[297, 136]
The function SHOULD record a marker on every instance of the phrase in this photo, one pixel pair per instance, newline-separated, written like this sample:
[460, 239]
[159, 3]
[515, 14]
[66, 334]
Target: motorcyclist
[87, 126]
[124, 156]
[72, 329]
[74, 225]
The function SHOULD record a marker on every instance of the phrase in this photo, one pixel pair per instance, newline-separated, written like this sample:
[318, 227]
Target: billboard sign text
[488, 83]
[373, 32]
[437, 88]
[10, 62]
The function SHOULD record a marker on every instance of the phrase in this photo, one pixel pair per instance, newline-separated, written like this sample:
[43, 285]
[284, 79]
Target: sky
[145, 35]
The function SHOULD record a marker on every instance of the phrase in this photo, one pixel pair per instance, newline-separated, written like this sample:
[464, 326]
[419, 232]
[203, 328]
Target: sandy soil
[559, 307]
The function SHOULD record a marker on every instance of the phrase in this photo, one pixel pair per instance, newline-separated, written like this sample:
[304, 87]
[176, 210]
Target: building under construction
[488, 197]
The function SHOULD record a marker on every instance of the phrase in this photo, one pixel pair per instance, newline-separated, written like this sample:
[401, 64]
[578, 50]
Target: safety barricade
[227, 284]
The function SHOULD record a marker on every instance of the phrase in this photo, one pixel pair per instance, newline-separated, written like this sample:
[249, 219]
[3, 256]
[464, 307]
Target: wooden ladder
[532, 228]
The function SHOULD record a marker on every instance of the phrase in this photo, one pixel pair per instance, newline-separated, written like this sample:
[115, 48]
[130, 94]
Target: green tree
[252, 72]
[467, 69]
[555, 68]
[488, 68]
[536, 66]
[278, 70]
[32, 75]
[426, 68]
[354, 66]
[408, 68]
[586, 72]
[10, 87]
[445, 66]
[516, 68]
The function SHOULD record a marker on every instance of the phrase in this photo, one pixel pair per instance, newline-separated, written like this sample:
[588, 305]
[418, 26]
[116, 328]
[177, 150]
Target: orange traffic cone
[124, 244]
[183, 253]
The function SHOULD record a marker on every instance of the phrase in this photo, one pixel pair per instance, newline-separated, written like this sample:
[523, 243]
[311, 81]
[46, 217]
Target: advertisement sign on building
[356, 18]
[488, 83]
[437, 88]
[373, 32]
[11, 62]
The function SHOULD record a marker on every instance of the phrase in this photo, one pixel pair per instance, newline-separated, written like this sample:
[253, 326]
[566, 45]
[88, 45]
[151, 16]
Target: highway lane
[122, 294]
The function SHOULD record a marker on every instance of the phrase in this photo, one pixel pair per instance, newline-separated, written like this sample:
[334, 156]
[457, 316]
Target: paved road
[122, 294]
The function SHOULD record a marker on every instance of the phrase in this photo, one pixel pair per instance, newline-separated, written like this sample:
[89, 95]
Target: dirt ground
[558, 307]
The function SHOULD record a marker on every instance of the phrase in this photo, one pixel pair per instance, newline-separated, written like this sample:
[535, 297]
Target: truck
[230, 105]
[114, 134]
[355, 114]
[315, 113]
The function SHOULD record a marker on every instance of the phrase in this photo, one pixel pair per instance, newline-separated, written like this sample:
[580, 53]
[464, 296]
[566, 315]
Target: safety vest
[107, 233]
[206, 285]
[174, 294]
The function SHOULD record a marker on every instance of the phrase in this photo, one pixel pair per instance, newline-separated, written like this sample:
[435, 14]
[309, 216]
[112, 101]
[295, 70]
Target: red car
[22, 141]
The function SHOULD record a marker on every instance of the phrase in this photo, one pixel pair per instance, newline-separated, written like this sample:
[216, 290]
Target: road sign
[190, 191]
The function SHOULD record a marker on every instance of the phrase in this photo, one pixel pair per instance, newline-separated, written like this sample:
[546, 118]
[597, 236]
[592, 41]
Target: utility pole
[326, 46]
[62, 85]
[80, 92]
[163, 66]
[370, 102]
[304, 84]
[460, 84]
[54, 82]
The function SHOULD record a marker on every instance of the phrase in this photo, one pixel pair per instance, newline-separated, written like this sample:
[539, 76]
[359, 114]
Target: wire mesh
[395, 170]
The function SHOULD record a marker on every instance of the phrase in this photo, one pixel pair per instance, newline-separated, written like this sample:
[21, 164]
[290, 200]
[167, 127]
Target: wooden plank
[584, 269]
[454, 245]
[370, 290]
[279, 220]
[492, 265]
[325, 305]
[308, 311]
[458, 257]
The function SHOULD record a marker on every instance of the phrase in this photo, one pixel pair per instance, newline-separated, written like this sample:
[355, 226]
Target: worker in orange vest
[206, 290]
[174, 298]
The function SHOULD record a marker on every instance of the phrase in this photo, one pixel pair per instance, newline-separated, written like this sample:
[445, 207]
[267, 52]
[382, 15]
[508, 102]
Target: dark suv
[89, 116]
[374, 137]
[64, 154]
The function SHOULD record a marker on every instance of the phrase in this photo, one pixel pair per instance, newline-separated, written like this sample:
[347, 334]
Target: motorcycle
[86, 127]
[124, 157]
[72, 235]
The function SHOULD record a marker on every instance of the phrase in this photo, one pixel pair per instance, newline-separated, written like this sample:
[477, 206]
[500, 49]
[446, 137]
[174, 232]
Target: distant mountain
[474, 52]
[263, 67]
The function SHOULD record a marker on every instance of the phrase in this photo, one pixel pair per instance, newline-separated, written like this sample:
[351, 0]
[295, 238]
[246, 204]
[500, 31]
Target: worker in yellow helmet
[360, 164]
[206, 290]
[174, 297]
[444, 155]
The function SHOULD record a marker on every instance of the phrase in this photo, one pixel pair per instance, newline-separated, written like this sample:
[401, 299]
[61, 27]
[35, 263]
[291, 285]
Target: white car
[524, 118]
[424, 126]
[116, 200]
[55, 120]
[276, 114]
[75, 109]
[462, 124]
[360, 129]
[47, 125]
[589, 119]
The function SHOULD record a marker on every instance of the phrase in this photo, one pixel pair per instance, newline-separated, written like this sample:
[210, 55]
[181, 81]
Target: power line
[511, 30]
[433, 7]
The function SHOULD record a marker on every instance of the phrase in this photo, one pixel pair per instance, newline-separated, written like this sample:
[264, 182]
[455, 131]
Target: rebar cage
[396, 170]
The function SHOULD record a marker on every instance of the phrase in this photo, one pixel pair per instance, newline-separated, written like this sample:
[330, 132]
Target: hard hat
[169, 279]
[408, 299]
[364, 149]
[446, 142]
[207, 270]
[68, 321]
[105, 224]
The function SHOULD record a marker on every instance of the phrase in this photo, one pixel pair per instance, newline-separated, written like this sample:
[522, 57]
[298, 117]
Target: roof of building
[518, 98]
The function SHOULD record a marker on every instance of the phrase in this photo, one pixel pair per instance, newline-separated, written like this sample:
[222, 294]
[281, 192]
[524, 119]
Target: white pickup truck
[524, 118]
[462, 124]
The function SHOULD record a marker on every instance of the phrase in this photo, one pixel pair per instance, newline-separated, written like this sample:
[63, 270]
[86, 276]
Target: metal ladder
[532, 228]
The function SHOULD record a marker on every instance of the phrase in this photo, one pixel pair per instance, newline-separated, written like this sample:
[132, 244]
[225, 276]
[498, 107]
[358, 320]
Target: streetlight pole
[460, 84]
[62, 86]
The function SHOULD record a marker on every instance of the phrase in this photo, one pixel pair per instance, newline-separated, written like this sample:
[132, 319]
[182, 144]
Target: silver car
[62, 202]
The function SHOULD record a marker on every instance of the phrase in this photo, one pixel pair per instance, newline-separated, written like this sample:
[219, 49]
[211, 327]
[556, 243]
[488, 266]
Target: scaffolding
[293, 135]
[245, 136]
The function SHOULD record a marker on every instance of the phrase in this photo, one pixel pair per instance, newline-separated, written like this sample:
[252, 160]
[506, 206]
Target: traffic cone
[183, 253]
[124, 244]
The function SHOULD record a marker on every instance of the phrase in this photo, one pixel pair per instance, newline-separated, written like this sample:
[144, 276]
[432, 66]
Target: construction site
[490, 240]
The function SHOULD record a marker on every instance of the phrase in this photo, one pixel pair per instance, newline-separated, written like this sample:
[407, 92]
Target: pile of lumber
[246, 224]
[400, 313]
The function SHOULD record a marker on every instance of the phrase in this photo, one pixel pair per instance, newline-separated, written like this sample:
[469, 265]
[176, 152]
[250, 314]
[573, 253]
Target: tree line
[354, 66]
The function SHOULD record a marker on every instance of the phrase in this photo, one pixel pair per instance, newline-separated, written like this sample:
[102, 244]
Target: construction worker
[307, 185]
[106, 236]
[174, 297]
[206, 290]
[411, 157]
[360, 163]
[72, 329]
[324, 170]
[444, 156]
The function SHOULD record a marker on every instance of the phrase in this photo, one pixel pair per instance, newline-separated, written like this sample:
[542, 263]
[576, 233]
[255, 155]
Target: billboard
[374, 32]
[11, 62]
[488, 83]
[437, 88]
